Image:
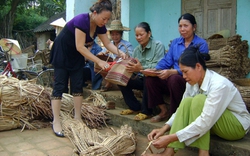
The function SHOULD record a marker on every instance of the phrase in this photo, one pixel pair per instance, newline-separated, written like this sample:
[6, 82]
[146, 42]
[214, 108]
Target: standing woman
[69, 52]
[211, 104]
[116, 30]
[147, 54]
[170, 80]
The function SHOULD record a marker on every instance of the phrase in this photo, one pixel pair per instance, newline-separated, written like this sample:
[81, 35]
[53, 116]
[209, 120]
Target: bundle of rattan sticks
[22, 102]
[90, 142]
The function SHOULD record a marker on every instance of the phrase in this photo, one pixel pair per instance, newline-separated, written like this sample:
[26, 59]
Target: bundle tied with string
[90, 142]
[118, 73]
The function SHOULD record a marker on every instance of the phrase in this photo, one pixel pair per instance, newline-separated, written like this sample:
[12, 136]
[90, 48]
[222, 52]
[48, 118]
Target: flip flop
[157, 118]
[128, 112]
[141, 116]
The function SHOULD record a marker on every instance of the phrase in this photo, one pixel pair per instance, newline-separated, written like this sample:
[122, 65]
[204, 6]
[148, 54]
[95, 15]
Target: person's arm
[167, 61]
[111, 47]
[80, 38]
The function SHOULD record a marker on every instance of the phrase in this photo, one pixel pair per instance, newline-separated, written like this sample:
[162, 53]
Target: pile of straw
[23, 102]
[93, 114]
[229, 57]
[243, 85]
[90, 142]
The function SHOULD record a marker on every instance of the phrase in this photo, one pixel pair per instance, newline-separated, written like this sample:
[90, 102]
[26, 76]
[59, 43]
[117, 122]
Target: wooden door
[212, 15]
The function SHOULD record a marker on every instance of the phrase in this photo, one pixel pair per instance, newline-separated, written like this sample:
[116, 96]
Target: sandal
[140, 117]
[127, 112]
[157, 118]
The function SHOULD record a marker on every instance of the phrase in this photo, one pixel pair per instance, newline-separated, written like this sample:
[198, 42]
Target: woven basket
[118, 73]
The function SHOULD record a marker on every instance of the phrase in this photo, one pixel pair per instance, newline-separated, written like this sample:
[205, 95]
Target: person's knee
[150, 80]
[175, 80]
[198, 101]
[186, 102]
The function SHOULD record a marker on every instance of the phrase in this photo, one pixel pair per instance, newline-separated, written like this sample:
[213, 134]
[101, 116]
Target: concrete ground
[43, 142]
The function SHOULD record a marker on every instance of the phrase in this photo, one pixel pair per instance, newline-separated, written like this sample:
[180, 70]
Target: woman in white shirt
[210, 104]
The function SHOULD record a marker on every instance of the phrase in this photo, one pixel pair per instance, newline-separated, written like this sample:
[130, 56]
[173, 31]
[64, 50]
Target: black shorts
[63, 77]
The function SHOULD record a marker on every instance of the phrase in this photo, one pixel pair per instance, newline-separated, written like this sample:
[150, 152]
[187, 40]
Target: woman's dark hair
[101, 5]
[192, 55]
[145, 26]
[188, 16]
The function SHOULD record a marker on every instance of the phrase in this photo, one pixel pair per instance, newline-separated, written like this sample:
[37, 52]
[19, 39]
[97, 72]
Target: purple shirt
[177, 47]
[82, 22]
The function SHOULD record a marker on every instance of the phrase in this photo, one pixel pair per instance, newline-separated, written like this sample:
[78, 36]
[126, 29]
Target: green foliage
[28, 21]
[18, 18]
[49, 8]
[4, 11]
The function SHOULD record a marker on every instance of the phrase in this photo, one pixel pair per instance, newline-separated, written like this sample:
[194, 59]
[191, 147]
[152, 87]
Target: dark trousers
[174, 86]
[62, 77]
[138, 83]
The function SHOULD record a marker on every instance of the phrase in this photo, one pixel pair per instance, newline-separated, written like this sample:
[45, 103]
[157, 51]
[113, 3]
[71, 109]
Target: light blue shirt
[124, 46]
[177, 47]
[221, 95]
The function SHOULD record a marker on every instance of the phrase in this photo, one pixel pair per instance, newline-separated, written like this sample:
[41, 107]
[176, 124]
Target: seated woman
[116, 31]
[147, 54]
[211, 104]
[170, 81]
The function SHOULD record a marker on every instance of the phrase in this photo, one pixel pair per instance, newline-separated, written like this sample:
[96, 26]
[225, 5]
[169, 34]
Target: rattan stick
[148, 147]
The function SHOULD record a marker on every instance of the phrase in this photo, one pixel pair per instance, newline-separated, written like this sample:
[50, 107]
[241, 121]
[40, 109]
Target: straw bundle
[231, 58]
[88, 142]
[94, 116]
[97, 99]
[7, 123]
[243, 85]
[215, 44]
[21, 103]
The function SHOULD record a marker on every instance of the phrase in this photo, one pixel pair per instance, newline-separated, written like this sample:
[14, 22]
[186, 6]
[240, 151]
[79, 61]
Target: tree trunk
[8, 20]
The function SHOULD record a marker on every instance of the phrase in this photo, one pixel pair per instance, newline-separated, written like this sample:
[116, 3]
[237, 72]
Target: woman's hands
[164, 74]
[123, 55]
[155, 134]
[134, 67]
[103, 64]
[163, 141]
[160, 141]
